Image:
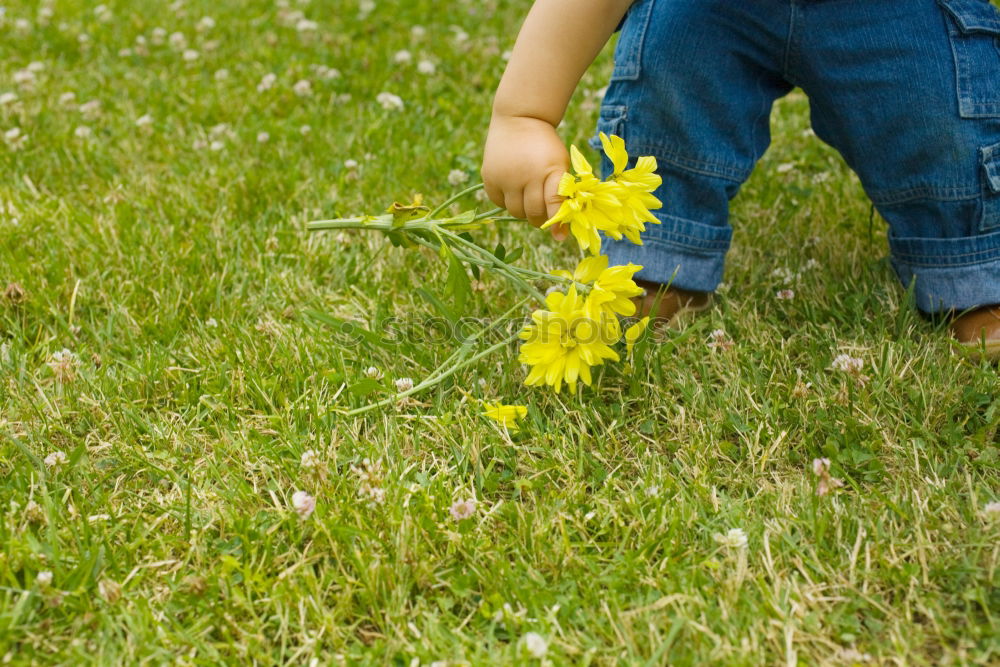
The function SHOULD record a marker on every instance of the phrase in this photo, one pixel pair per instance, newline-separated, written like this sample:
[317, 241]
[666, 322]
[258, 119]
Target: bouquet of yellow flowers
[579, 326]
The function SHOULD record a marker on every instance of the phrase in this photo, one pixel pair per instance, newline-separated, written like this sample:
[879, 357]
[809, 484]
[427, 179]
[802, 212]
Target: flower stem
[442, 373]
[453, 198]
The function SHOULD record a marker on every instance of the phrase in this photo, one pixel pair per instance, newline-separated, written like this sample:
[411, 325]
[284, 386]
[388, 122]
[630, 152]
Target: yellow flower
[633, 333]
[589, 205]
[505, 415]
[587, 271]
[635, 190]
[564, 342]
[612, 287]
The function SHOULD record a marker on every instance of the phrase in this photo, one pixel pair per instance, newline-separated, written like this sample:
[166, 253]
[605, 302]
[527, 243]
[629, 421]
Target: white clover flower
[211, 323]
[221, 74]
[389, 101]
[992, 510]
[33, 512]
[402, 57]
[83, 39]
[821, 467]
[36, 67]
[178, 41]
[735, 538]
[404, 384]
[217, 145]
[719, 340]
[7, 99]
[267, 82]
[190, 55]
[457, 176]
[785, 295]
[23, 25]
[110, 590]
[350, 164]
[535, 644]
[785, 167]
[83, 132]
[305, 26]
[124, 53]
[303, 504]
[64, 364]
[418, 31]
[56, 459]
[25, 78]
[310, 460]
[302, 88]
[102, 13]
[91, 109]
[44, 579]
[426, 67]
[67, 98]
[327, 73]
[366, 7]
[373, 373]
[158, 36]
[15, 138]
[847, 364]
[205, 24]
[263, 137]
[45, 15]
[305, 129]
[460, 35]
[783, 275]
[144, 120]
[462, 509]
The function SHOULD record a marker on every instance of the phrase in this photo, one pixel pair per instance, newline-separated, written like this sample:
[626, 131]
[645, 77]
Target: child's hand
[522, 164]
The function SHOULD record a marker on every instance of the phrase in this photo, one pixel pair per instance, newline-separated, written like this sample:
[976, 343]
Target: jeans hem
[949, 274]
[680, 252]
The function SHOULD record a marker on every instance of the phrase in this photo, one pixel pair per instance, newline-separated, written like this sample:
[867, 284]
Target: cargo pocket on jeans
[612, 121]
[991, 187]
[628, 51]
[975, 42]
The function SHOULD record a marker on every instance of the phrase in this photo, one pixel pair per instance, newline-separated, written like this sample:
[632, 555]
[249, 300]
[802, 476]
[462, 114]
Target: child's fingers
[534, 204]
[494, 193]
[514, 202]
[550, 191]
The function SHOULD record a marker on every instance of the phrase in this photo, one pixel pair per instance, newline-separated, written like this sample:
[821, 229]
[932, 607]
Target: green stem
[453, 198]
[489, 214]
[440, 373]
[431, 381]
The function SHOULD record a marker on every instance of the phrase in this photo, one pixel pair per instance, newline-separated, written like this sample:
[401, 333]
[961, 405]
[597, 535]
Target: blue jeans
[907, 91]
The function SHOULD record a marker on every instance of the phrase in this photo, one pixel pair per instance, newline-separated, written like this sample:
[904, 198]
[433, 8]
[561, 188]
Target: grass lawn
[155, 328]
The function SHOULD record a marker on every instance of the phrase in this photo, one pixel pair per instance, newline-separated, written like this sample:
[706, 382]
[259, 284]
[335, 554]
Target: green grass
[180, 277]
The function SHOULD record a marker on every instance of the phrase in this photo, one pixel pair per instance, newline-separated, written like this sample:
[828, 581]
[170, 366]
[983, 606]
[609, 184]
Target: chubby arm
[524, 158]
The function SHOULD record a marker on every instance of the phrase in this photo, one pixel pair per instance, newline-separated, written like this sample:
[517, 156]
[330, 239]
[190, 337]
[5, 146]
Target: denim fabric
[908, 92]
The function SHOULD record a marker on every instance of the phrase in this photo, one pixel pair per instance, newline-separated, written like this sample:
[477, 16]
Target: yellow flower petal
[614, 148]
[633, 333]
[505, 415]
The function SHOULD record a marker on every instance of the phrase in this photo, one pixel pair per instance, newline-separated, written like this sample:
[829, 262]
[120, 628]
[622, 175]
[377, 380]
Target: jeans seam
[789, 42]
[932, 192]
[678, 242]
[712, 168]
[945, 261]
